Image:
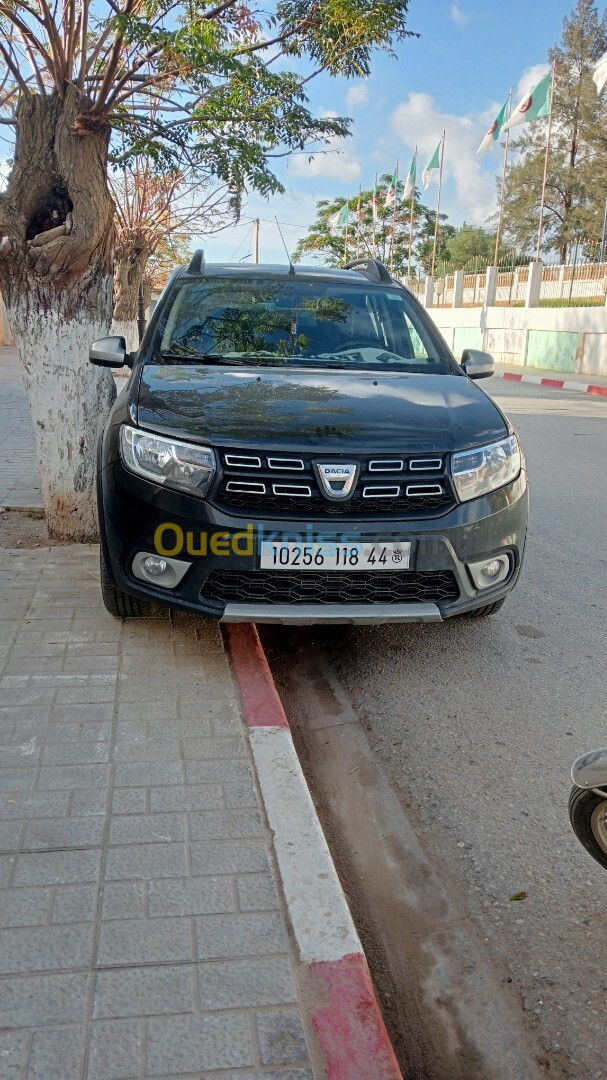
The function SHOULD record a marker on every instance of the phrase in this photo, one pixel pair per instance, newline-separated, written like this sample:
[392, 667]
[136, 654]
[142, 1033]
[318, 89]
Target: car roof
[299, 271]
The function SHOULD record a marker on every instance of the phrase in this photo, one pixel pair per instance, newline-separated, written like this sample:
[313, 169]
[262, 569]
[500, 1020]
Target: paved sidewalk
[19, 477]
[141, 931]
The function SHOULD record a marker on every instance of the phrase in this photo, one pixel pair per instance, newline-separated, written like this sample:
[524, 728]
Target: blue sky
[455, 76]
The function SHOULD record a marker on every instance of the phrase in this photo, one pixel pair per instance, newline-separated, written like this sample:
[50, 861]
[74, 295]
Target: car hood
[301, 408]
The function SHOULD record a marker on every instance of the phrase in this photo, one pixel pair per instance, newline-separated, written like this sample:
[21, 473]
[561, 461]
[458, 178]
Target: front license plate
[334, 556]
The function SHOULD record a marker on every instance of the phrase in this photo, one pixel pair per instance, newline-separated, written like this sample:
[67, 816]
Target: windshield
[292, 322]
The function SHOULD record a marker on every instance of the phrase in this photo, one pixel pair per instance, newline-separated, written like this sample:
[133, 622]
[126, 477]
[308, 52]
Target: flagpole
[501, 213]
[346, 234]
[546, 162]
[394, 220]
[375, 208]
[440, 189]
[411, 222]
[358, 208]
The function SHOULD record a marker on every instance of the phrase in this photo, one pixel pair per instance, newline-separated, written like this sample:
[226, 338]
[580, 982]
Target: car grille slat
[310, 587]
[295, 494]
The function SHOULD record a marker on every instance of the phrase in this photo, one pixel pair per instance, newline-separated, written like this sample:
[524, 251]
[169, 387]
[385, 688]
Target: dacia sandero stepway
[298, 445]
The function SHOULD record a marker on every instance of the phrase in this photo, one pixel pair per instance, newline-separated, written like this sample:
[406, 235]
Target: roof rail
[373, 267]
[196, 263]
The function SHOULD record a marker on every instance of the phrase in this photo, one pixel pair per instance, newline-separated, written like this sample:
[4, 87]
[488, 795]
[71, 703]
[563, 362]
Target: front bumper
[131, 509]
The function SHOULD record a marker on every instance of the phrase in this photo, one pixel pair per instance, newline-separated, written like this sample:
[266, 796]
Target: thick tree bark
[128, 274]
[58, 295]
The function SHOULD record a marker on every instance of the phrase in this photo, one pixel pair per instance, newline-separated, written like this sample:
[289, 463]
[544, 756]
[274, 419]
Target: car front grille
[281, 485]
[310, 587]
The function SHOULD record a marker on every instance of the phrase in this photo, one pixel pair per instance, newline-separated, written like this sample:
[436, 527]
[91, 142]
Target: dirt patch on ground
[24, 529]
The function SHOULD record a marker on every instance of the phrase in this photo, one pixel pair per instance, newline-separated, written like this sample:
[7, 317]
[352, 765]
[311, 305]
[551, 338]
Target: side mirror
[109, 352]
[477, 364]
[590, 770]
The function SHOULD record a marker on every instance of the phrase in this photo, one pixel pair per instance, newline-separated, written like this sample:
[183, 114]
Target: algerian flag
[411, 179]
[433, 163]
[391, 192]
[534, 105]
[339, 220]
[494, 133]
[600, 73]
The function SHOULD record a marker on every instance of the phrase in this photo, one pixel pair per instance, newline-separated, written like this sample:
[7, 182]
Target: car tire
[119, 604]
[487, 610]
[584, 810]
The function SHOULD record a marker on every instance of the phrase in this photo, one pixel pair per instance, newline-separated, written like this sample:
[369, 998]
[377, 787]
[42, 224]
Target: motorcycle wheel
[588, 815]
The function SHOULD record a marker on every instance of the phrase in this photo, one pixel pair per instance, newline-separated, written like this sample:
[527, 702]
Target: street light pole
[256, 241]
[604, 240]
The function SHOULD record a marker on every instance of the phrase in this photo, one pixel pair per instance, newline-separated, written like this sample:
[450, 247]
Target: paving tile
[144, 941]
[190, 896]
[145, 861]
[257, 934]
[56, 867]
[24, 907]
[89, 803]
[115, 1049]
[125, 900]
[240, 795]
[56, 777]
[42, 1000]
[10, 832]
[16, 779]
[144, 991]
[32, 804]
[45, 948]
[78, 753]
[187, 797]
[148, 750]
[57, 1055]
[132, 800]
[14, 1052]
[74, 903]
[147, 828]
[217, 772]
[241, 984]
[256, 892]
[225, 825]
[228, 857]
[187, 1044]
[213, 748]
[60, 833]
[141, 774]
[281, 1037]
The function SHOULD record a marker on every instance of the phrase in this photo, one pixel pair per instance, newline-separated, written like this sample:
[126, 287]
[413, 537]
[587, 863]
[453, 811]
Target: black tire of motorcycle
[582, 805]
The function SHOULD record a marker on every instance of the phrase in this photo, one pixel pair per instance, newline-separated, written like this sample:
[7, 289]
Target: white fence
[583, 284]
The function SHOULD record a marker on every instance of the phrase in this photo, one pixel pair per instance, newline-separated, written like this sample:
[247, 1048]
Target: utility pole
[256, 241]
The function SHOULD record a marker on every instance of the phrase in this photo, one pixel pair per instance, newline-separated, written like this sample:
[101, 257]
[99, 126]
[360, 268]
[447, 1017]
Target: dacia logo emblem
[337, 481]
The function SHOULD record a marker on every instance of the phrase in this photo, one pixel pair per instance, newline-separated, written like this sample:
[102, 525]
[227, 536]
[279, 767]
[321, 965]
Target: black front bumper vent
[310, 587]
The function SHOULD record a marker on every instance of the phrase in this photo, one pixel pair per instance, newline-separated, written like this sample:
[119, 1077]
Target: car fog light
[154, 566]
[159, 570]
[491, 569]
[490, 572]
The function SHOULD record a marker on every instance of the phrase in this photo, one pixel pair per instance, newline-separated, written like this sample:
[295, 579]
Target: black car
[298, 445]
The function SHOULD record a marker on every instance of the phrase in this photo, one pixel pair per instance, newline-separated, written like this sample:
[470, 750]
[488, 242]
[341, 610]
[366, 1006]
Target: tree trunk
[58, 295]
[128, 275]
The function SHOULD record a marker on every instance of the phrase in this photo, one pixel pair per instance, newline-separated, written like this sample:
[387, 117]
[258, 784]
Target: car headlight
[171, 462]
[477, 472]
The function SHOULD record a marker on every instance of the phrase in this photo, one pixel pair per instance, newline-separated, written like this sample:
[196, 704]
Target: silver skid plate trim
[346, 614]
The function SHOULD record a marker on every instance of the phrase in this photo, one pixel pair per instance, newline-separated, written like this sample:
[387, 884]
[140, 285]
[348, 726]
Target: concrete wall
[563, 339]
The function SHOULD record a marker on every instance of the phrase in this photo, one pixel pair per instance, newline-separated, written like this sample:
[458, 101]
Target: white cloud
[528, 80]
[338, 163]
[459, 16]
[357, 96]
[418, 121]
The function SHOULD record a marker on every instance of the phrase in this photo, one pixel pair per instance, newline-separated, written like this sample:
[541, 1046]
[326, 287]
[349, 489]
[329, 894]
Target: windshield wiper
[196, 358]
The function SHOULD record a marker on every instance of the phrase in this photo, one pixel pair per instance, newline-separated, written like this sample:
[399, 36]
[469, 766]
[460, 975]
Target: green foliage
[329, 245]
[577, 179]
[470, 242]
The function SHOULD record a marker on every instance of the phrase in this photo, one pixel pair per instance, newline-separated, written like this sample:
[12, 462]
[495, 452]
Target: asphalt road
[476, 724]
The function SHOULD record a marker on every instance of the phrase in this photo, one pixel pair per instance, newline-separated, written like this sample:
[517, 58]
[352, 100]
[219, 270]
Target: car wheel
[119, 604]
[588, 815]
[487, 610]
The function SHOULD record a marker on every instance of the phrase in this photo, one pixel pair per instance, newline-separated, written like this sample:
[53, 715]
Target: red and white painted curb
[347, 1020]
[555, 384]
